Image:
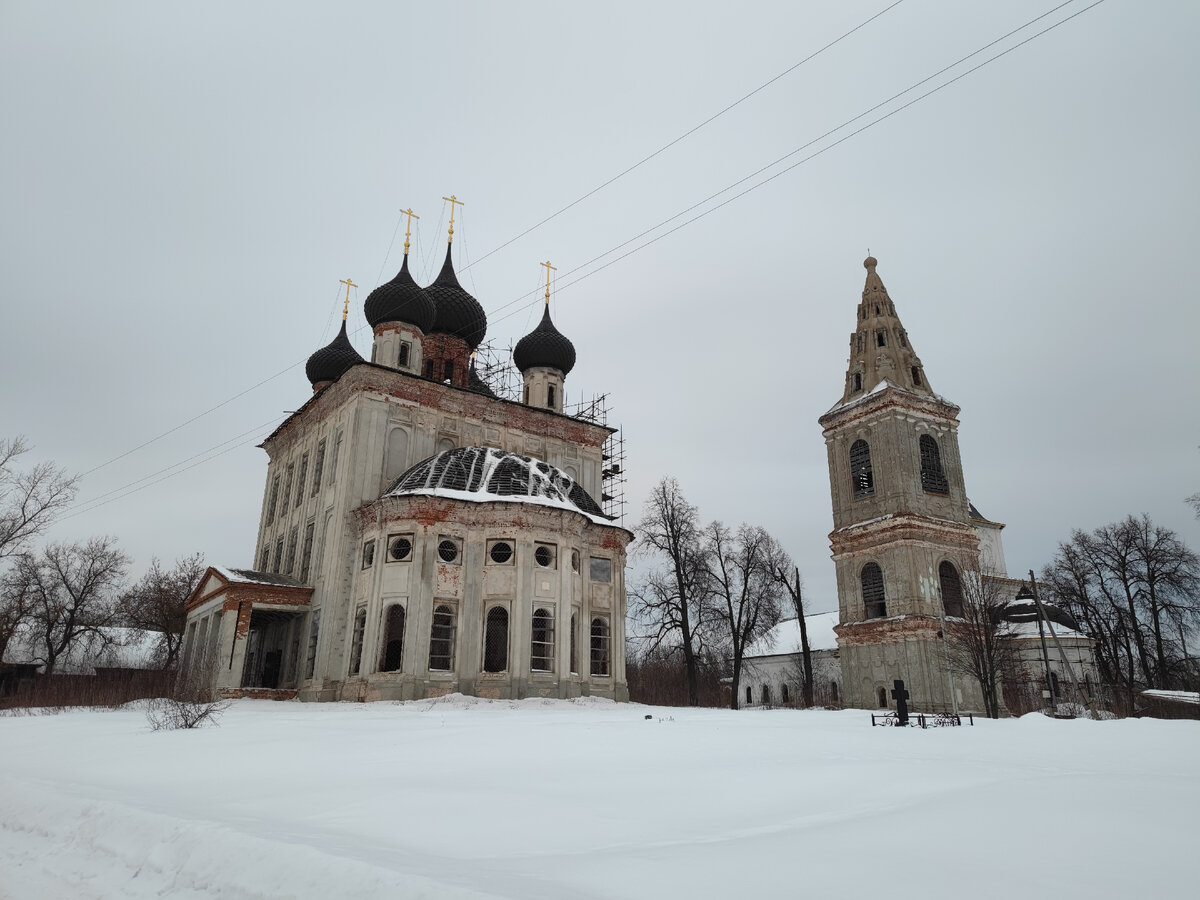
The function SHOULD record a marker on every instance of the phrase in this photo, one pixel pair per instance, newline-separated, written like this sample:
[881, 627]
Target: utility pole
[1058, 646]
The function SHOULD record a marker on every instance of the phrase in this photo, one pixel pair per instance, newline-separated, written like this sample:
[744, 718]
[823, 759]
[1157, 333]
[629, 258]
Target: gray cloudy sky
[183, 185]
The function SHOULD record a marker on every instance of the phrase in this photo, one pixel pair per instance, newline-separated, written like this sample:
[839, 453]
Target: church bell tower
[902, 536]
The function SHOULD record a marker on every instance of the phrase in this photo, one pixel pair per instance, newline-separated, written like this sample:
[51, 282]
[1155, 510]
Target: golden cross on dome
[549, 269]
[346, 306]
[408, 228]
[453, 201]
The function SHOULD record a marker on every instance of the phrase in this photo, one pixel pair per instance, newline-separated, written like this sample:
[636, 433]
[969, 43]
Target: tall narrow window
[287, 486]
[881, 338]
[858, 381]
[541, 644]
[861, 475]
[393, 640]
[368, 554]
[916, 375]
[318, 468]
[356, 641]
[279, 555]
[495, 640]
[600, 662]
[550, 396]
[306, 553]
[314, 631]
[405, 351]
[449, 371]
[291, 550]
[874, 604]
[952, 593]
[337, 452]
[574, 650]
[783, 694]
[749, 694]
[300, 480]
[933, 478]
[429, 368]
[264, 559]
[860, 342]
[526, 401]
[274, 499]
[441, 639]
[903, 339]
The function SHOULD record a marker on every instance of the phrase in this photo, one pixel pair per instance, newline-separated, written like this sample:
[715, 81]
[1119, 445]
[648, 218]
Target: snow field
[466, 798]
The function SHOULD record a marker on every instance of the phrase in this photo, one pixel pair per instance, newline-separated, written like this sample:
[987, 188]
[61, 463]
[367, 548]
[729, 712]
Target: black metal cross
[900, 695]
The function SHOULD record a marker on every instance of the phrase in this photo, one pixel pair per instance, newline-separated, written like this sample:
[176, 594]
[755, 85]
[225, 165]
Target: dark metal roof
[458, 313]
[545, 346]
[332, 360]
[400, 300]
[476, 384]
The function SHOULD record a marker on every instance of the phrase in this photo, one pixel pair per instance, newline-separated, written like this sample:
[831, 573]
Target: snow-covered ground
[551, 799]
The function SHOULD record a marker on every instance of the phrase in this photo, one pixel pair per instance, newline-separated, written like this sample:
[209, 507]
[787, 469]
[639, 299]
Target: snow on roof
[1026, 630]
[249, 576]
[785, 637]
[1176, 696]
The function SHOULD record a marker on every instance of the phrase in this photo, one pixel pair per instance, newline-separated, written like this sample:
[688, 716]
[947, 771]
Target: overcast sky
[183, 185]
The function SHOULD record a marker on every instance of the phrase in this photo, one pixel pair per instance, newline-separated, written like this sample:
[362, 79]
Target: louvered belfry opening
[952, 592]
[874, 604]
[933, 477]
[861, 475]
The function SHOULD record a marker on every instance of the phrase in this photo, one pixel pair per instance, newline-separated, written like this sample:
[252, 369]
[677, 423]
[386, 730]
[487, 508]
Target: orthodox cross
[408, 228]
[346, 306]
[549, 269]
[452, 200]
[900, 695]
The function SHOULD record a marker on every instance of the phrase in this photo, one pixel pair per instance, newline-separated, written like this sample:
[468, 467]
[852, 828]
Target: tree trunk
[807, 688]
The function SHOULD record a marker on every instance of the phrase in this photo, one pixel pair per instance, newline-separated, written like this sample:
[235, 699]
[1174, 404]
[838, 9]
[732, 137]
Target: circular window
[501, 552]
[401, 548]
[544, 556]
[574, 560]
[448, 551]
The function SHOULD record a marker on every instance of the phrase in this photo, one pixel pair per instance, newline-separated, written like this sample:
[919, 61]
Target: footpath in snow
[465, 798]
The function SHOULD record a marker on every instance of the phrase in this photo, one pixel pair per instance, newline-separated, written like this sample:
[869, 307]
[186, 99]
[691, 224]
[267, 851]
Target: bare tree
[156, 603]
[670, 600]
[787, 574]
[70, 594]
[29, 499]
[745, 595]
[979, 644]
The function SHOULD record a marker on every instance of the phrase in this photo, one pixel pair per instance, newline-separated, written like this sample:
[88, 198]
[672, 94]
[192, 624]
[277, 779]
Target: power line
[687, 133]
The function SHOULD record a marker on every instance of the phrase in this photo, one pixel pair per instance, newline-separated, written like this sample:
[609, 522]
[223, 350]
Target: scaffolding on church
[612, 473]
[494, 367]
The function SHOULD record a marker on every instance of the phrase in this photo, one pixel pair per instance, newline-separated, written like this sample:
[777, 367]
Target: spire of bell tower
[879, 347]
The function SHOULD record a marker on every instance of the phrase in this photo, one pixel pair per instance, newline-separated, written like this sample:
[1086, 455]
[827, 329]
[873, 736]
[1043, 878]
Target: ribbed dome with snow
[545, 346]
[458, 313]
[485, 474]
[331, 361]
[400, 300]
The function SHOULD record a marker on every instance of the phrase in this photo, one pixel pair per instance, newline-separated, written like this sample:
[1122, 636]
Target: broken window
[300, 480]
[356, 640]
[600, 569]
[495, 640]
[393, 640]
[933, 478]
[574, 653]
[318, 468]
[541, 644]
[874, 604]
[861, 475]
[600, 661]
[306, 554]
[274, 499]
[952, 593]
[368, 556]
[314, 630]
[441, 639]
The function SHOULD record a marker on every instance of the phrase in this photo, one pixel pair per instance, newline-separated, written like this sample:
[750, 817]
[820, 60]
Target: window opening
[300, 481]
[372, 353]
[429, 368]
[287, 487]
[574, 654]
[447, 550]
[876, 309]
[495, 640]
[600, 569]
[860, 342]
[279, 555]
[293, 537]
[318, 468]
[881, 338]
[393, 640]
[337, 452]
[783, 690]
[916, 375]
[575, 561]
[399, 547]
[274, 500]
[264, 560]
[952, 593]
[903, 339]
[356, 642]
[526, 401]
[405, 350]
[861, 474]
[766, 695]
[368, 557]
[441, 639]
[306, 554]
[933, 478]
[858, 381]
[541, 643]
[882, 695]
[550, 396]
[874, 604]
[448, 372]
[600, 659]
[544, 556]
[833, 691]
[501, 552]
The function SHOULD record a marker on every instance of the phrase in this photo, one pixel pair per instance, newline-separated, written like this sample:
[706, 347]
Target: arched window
[599, 647]
[861, 475]
[952, 594]
[858, 381]
[393, 640]
[874, 604]
[495, 640]
[574, 651]
[833, 692]
[541, 642]
[933, 479]
[783, 688]
[356, 640]
[441, 639]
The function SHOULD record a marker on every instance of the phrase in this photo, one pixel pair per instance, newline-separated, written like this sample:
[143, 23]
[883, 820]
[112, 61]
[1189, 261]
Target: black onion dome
[477, 384]
[545, 346]
[332, 360]
[458, 313]
[495, 475]
[400, 300]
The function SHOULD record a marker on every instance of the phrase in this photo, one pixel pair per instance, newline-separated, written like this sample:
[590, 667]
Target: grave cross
[900, 695]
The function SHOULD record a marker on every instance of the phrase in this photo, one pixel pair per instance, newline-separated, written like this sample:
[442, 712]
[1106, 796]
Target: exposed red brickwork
[904, 529]
[884, 631]
[237, 592]
[257, 694]
[443, 348]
